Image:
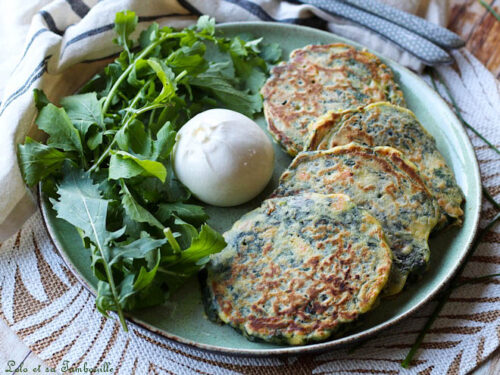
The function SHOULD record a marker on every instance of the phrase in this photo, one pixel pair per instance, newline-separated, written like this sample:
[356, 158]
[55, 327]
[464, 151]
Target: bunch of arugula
[107, 161]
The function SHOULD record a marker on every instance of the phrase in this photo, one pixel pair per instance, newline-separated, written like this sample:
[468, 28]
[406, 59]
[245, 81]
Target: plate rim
[322, 346]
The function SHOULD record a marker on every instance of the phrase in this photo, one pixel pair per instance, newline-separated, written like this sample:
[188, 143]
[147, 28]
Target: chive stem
[490, 199]
[457, 111]
[490, 9]
[444, 297]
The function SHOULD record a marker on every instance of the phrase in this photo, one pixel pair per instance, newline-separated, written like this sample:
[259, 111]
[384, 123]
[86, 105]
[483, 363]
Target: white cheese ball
[223, 157]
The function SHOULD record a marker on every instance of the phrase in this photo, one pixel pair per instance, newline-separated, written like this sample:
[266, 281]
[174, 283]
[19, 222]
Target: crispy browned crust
[381, 181]
[299, 267]
[384, 124]
[306, 87]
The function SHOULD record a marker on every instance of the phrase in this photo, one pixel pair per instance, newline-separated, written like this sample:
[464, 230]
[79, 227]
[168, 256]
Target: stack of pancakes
[351, 217]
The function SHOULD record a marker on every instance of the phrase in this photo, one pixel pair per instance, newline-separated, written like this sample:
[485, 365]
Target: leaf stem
[457, 110]
[181, 75]
[112, 286]
[490, 9]
[475, 279]
[490, 198]
[135, 100]
[444, 297]
[144, 53]
[105, 154]
[107, 270]
[172, 241]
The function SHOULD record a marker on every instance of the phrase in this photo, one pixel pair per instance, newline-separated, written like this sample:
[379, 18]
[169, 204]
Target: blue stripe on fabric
[253, 8]
[35, 35]
[102, 29]
[79, 7]
[191, 9]
[259, 12]
[89, 33]
[50, 22]
[37, 73]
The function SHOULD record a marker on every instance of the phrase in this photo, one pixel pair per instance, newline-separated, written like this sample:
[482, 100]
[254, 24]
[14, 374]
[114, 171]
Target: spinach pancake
[384, 124]
[321, 78]
[381, 181]
[298, 268]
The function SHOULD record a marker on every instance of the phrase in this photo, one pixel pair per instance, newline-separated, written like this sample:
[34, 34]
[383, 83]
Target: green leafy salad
[106, 163]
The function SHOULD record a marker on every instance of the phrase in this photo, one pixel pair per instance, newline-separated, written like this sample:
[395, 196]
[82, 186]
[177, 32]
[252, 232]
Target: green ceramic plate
[182, 318]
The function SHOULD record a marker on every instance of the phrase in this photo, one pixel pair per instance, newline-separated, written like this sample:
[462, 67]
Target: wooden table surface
[474, 24]
[480, 29]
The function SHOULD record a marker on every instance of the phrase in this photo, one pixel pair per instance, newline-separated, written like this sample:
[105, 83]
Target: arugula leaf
[146, 277]
[40, 99]
[164, 143]
[140, 68]
[80, 204]
[191, 59]
[254, 80]
[62, 134]
[136, 211]
[149, 35]
[152, 190]
[166, 77]
[83, 110]
[206, 243]
[136, 249]
[125, 23]
[222, 88]
[186, 230]
[135, 138]
[37, 161]
[125, 165]
[206, 25]
[94, 137]
[270, 52]
[181, 267]
[188, 212]
[254, 45]
[238, 47]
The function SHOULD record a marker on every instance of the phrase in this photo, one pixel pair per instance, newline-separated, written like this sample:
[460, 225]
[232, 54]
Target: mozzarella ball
[223, 157]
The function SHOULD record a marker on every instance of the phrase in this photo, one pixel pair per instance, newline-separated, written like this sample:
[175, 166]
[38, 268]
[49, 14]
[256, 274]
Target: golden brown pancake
[384, 124]
[321, 78]
[381, 181]
[298, 268]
